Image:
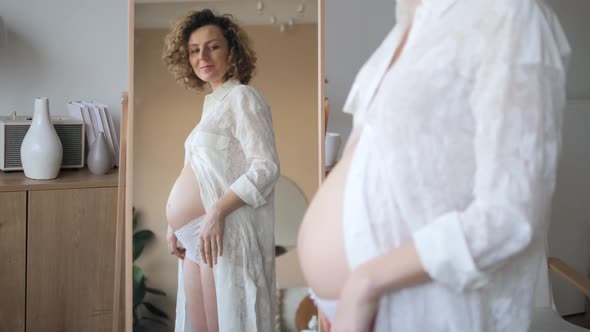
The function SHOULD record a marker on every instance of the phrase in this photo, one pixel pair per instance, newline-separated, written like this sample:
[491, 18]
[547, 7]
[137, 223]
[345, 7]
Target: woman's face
[209, 55]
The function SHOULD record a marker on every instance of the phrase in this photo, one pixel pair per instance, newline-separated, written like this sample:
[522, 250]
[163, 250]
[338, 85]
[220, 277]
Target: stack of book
[96, 118]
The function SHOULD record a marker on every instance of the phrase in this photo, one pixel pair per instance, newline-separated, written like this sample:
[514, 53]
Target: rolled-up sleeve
[254, 131]
[517, 110]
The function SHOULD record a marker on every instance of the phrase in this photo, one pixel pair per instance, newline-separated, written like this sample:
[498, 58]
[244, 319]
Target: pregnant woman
[220, 210]
[435, 218]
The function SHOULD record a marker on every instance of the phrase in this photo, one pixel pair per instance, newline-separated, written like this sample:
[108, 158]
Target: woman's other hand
[357, 307]
[211, 236]
[173, 247]
[359, 298]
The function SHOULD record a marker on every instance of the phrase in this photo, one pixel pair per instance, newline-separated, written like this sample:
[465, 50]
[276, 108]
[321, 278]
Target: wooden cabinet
[13, 214]
[64, 229]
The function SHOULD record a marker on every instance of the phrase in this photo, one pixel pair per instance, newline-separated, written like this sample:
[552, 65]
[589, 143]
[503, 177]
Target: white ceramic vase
[41, 152]
[333, 141]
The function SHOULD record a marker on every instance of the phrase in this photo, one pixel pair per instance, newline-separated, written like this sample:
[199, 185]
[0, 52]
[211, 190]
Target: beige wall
[165, 113]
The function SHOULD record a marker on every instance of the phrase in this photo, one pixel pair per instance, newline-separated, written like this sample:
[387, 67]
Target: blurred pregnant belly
[184, 203]
[321, 242]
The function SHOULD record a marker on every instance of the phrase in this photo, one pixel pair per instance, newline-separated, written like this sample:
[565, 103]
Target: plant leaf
[155, 310]
[139, 328]
[138, 296]
[140, 238]
[137, 250]
[163, 323]
[143, 235]
[138, 286]
[155, 291]
[138, 276]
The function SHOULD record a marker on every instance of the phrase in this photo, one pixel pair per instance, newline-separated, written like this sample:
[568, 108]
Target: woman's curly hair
[242, 59]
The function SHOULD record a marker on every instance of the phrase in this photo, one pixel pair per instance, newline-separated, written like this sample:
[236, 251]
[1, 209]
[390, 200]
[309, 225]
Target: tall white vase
[41, 152]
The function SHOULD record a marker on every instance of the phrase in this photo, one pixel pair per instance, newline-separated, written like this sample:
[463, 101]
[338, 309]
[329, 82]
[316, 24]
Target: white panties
[188, 235]
[327, 307]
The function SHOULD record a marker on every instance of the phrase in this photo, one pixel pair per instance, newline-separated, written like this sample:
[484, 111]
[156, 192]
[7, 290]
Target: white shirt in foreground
[458, 153]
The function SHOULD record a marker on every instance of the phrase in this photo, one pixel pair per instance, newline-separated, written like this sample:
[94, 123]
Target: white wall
[65, 50]
[569, 234]
[574, 16]
[355, 28]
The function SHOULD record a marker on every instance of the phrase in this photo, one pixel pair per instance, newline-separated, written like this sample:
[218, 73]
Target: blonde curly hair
[242, 59]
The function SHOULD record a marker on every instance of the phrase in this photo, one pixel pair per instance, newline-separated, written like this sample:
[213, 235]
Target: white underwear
[188, 235]
[327, 307]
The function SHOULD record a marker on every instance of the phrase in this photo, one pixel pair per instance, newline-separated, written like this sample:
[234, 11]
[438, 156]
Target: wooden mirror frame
[322, 118]
[124, 322]
[128, 221]
[322, 109]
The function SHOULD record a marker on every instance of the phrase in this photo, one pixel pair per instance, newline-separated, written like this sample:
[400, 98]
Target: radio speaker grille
[69, 135]
[14, 139]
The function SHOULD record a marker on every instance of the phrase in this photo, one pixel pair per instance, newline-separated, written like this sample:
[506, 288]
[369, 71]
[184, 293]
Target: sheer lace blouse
[458, 153]
[233, 148]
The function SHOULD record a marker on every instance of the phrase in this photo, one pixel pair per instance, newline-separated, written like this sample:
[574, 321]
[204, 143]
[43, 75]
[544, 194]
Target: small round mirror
[290, 206]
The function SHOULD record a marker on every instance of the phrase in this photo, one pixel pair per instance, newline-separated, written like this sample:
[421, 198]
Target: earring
[231, 71]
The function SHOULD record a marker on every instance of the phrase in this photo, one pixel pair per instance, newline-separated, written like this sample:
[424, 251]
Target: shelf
[67, 179]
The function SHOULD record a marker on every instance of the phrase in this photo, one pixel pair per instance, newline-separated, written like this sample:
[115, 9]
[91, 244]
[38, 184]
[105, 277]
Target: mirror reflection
[225, 160]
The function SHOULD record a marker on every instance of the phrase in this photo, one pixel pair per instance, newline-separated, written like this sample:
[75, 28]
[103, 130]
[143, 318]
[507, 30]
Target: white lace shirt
[458, 153]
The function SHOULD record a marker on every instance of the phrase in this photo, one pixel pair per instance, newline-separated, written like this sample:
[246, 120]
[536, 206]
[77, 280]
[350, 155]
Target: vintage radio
[14, 129]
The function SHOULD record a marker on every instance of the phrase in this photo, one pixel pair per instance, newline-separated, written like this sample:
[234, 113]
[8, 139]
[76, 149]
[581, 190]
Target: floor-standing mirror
[284, 35]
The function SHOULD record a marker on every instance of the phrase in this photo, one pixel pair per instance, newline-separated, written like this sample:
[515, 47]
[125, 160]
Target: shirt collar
[224, 89]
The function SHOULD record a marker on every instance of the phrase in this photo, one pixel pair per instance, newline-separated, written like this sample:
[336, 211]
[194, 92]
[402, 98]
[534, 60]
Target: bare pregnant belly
[184, 202]
[321, 242]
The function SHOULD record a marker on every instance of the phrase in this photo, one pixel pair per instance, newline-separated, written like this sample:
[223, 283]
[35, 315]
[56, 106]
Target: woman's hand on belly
[212, 228]
[211, 236]
[357, 305]
[367, 283]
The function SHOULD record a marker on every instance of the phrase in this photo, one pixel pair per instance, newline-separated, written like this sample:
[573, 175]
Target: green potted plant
[140, 289]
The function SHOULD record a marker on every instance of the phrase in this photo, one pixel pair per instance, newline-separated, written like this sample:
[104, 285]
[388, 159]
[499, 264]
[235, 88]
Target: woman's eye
[214, 47]
[193, 51]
